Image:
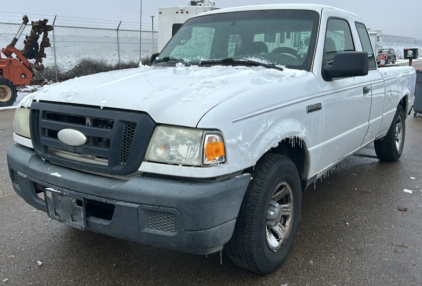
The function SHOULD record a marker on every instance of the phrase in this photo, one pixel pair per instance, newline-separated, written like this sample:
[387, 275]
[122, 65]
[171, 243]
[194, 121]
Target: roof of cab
[314, 7]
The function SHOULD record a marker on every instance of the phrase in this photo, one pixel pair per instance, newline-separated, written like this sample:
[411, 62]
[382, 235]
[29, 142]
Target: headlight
[21, 122]
[185, 146]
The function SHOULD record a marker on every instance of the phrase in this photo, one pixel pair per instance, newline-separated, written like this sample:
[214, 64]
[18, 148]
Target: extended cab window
[282, 37]
[337, 39]
[366, 45]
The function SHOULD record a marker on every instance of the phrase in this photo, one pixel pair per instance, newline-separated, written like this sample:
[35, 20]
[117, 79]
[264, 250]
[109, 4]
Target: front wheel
[7, 92]
[269, 216]
[391, 146]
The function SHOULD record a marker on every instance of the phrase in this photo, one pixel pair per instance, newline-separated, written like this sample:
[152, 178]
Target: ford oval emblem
[72, 137]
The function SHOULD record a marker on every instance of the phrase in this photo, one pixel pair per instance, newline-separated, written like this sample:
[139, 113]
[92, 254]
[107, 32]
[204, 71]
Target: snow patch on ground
[403, 61]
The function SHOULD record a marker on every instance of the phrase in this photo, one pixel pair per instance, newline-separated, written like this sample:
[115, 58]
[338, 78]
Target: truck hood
[170, 95]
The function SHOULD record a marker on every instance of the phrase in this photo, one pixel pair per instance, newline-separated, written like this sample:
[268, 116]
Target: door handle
[366, 89]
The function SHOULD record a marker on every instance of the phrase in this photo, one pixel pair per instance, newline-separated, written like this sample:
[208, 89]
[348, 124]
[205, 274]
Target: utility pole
[152, 17]
[118, 44]
[54, 49]
[140, 33]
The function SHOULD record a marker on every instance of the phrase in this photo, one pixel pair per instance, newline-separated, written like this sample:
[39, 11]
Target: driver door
[346, 101]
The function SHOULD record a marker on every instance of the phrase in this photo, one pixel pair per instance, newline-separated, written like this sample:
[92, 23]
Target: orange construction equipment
[18, 70]
[382, 62]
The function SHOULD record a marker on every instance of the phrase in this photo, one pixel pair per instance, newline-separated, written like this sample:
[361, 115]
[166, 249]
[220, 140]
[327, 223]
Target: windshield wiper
[167, 59]
[246, 62]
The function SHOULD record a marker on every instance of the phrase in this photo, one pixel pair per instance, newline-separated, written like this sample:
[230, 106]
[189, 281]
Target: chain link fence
[77, 51]
[400, 43]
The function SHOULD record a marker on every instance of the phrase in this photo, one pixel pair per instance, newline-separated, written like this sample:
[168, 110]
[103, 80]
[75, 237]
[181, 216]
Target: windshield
[281, 37]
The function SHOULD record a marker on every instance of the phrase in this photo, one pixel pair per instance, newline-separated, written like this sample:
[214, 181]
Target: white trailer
[170, 19]
[376, 39]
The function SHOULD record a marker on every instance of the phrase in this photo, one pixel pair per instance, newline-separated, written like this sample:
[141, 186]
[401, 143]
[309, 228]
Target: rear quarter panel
[399, 83]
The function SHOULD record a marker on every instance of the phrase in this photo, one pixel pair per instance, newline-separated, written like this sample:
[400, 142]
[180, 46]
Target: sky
[392, 17]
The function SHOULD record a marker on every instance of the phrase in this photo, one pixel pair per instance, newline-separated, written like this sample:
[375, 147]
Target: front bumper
[195, 217]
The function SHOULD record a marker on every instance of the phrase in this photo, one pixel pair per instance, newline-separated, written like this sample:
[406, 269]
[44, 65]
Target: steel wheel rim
[279, 216]
[5, 93]
[399, 133]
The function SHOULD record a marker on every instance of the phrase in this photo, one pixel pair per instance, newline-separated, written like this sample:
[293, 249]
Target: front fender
[247, 147]
[258, 119]
[284, 129]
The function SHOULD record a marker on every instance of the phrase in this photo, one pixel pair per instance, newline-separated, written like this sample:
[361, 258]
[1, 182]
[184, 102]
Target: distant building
[376, 39]
[170, 19]
[397, 43]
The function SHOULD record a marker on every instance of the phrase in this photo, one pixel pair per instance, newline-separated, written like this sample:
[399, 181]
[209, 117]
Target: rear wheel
[391, 146]
[7, 92]
[269, 217]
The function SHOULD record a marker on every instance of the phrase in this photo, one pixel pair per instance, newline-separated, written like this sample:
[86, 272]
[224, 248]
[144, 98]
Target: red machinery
[18, 70]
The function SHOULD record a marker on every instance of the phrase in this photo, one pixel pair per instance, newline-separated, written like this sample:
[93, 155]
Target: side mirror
[152, 59]
[346, 64]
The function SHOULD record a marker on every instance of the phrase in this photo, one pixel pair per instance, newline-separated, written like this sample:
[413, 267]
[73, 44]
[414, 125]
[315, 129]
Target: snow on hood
[170, 95]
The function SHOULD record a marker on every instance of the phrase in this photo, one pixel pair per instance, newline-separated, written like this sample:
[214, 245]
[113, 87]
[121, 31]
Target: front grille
[36, 123]
[162, 221]
[127, 142]
[116, 141]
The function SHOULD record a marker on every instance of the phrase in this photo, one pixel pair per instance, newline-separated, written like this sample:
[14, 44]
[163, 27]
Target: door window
[366, 45]
[337, 39]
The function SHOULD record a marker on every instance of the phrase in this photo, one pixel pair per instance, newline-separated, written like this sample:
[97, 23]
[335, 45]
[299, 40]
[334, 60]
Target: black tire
[391, 146]
[255, 245]
[7, 92]
[394, 60]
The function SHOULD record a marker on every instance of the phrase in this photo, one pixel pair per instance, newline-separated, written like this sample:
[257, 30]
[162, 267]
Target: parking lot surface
[358, 227]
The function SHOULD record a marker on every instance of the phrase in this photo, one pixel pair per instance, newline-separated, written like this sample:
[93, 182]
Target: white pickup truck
[213, 144]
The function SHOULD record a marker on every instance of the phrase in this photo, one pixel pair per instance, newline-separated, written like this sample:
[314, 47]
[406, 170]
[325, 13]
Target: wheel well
[294, 149]
[403, 103]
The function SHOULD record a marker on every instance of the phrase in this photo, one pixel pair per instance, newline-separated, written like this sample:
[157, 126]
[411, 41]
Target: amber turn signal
[214, 149]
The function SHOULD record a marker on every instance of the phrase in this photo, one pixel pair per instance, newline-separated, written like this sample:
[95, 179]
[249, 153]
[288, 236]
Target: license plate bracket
[65, 208]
